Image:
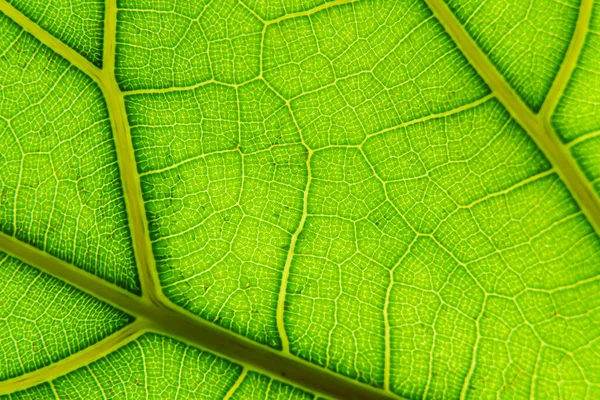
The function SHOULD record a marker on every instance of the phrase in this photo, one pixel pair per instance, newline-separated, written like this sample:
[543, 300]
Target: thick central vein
[170, 320]
[537, 126]
[153, 311]
[570, 60]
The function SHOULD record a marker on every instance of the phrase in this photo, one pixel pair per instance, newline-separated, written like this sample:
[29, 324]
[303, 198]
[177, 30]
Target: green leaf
[240, 199]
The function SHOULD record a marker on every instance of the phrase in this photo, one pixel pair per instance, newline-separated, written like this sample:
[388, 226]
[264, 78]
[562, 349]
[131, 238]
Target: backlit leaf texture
[268, 199]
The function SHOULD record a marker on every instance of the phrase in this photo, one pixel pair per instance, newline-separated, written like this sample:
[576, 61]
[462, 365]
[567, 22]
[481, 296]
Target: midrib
[173, 321]
[156, 313]
[153, 311]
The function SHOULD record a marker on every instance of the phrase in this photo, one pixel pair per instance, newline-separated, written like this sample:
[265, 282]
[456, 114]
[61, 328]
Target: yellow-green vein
[535, 125]
[128, 167]
[75, 361]
[168, 319]
[569, 62]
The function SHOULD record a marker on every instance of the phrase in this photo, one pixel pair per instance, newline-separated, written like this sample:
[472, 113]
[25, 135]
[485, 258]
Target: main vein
[153, 311]
[168, 319]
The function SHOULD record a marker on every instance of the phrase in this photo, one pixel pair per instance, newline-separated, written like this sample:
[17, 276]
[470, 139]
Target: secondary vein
[51, 41]
[75, 361]
[132, 191]
[570, 61]
[106, 81]
[168, 319]
[536, 126]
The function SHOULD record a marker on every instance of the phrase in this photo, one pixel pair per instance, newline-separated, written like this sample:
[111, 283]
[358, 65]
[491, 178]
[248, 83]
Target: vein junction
[366, 204]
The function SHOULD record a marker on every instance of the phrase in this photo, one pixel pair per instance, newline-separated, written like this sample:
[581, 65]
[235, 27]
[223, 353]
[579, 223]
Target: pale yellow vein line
[191, 160]
[174, 89]
[570, 61]
[310, 12]
[236, 384]
[285, 342]
[583, 138]
[538, 129]
[56, 395]
[75, 361]
[387, 362]
[431, 117]
[464, 392]
[505, 191]
[534, 375]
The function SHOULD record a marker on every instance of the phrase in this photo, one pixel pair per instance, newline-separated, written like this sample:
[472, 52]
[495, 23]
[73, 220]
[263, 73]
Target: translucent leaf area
[268, 199]
[61, 190]
[79, 24]
[159, 367]
[44, 320]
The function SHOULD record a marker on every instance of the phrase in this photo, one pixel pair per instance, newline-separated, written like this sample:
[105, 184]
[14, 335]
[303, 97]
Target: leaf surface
[286, 200]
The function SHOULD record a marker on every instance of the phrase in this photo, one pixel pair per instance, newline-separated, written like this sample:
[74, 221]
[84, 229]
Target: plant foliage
[248, 199]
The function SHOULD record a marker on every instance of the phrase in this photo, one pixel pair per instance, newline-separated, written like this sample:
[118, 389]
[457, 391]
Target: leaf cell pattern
[61, 189]
[44, 320]
[80, 24]
[158, 367]
[337, 182]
